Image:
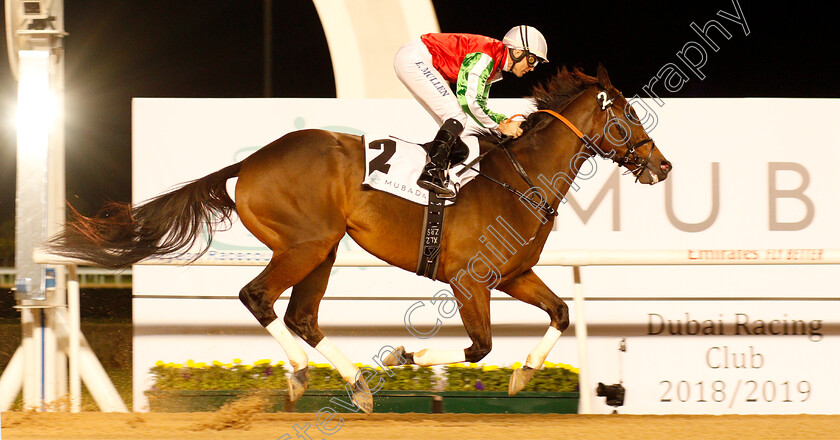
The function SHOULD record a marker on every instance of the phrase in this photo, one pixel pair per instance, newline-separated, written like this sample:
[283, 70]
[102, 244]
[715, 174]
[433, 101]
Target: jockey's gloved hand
[510, 127]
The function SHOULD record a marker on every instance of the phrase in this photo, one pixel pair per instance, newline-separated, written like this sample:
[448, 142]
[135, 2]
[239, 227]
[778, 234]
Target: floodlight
[35, 102]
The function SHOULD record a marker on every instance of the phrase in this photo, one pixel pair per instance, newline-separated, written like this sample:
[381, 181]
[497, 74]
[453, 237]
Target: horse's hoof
[362, 396]
[520, 378]
[297, 383]
[395, 358]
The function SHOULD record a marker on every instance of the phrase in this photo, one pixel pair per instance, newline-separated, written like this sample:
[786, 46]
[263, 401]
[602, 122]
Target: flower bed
[557, 378]
[470, 388]
[404, 378]
[261, 375]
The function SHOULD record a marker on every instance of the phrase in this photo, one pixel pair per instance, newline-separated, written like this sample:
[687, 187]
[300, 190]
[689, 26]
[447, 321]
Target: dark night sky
[155, 48]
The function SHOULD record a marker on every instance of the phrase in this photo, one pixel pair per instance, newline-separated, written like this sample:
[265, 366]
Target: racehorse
[578, 117]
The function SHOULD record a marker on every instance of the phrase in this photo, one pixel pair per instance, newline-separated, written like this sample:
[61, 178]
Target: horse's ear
[603, 77]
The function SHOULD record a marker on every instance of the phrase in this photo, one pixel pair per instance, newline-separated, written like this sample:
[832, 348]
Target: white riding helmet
[529, 39]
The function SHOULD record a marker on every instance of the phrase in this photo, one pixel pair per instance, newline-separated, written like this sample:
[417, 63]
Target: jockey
[427, 66]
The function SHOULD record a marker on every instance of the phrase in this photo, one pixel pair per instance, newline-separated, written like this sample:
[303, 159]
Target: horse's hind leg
[529, 288]
[302, 318]
[259, 296]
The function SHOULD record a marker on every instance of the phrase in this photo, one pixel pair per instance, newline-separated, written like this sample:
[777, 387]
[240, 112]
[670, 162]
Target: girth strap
[429, 257]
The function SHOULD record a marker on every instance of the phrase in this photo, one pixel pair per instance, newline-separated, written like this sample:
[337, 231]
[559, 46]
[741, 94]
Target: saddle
[392, 165]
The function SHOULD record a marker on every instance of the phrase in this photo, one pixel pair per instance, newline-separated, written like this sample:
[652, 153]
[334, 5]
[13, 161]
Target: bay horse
[302, 224]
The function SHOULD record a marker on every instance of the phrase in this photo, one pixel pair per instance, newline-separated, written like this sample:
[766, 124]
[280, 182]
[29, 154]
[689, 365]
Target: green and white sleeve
[472, 89]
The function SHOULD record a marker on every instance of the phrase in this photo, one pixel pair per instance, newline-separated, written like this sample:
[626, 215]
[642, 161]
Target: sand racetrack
[158, 426]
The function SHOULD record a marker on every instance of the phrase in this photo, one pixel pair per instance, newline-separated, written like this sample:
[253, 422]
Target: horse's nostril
[665, 166]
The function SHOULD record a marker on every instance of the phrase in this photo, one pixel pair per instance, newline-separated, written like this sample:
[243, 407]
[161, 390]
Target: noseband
[630, 156]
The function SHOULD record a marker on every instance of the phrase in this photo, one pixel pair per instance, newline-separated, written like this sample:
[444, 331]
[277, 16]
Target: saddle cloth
[393, 166]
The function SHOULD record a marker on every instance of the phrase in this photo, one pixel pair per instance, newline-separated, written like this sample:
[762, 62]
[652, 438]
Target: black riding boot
[433, 177]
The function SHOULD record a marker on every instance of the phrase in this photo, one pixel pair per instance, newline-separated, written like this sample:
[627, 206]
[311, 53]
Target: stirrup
[450, 194]
[435, 179]
[443, 192]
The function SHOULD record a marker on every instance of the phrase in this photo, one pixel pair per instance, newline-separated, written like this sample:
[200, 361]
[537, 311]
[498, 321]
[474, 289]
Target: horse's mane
[554, 94]
[561, 89]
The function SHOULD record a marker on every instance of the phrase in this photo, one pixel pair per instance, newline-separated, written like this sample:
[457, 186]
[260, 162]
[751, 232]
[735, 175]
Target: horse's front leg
[529, 288]
[474, 308]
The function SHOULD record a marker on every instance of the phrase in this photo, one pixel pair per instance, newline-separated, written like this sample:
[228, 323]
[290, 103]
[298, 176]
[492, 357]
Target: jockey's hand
[510, 127]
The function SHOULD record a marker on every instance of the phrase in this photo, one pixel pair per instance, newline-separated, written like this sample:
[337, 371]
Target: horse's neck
[551, 155]
[546, 157]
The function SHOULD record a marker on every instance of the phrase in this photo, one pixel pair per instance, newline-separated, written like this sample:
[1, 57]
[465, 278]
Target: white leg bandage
[428, 357]
[538, 355]
[345, 368]
[297, 357]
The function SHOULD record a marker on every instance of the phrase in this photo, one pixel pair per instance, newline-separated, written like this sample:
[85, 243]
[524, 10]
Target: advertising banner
[753, 180]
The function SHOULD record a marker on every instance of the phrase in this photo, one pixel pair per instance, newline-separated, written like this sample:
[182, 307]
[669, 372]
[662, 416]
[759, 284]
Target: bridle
[630, 156]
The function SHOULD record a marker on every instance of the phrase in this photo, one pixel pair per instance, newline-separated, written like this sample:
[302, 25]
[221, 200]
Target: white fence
[570, 258]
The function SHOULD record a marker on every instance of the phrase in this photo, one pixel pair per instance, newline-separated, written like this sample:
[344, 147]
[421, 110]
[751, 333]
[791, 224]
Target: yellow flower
[237, 361]
[549, 364]
[262, 362]
[248, 367]
[217, 363]
[200, 365]
[568, 367]
[473, 365]
[228, 365]
[489, 368]
[323, 366]
[159, 363]
[516, 365]
[177, 366]
[190, 363]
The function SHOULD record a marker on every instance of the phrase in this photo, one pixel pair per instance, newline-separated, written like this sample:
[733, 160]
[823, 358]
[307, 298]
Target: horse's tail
[165, 226]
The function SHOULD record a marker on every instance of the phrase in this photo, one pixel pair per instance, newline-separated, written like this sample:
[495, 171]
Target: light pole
[34, 34]
[48, 302]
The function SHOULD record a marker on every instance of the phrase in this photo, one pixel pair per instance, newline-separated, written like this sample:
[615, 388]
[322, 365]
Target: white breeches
[413, 65]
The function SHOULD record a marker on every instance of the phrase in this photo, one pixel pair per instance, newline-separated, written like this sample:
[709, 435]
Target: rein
[565, 121]
[542, 205]
[629, 157]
